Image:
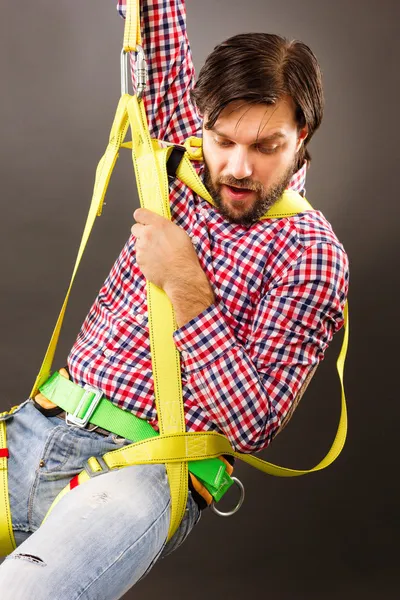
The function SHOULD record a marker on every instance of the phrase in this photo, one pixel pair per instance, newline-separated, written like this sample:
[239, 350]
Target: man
[256, 303]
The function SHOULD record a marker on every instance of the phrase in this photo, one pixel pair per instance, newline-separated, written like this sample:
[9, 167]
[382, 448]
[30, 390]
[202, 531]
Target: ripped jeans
[103, 536]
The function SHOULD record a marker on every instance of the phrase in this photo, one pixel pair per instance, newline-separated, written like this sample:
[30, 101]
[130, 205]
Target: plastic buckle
[238, 505]
[73, 418]
[101, 462]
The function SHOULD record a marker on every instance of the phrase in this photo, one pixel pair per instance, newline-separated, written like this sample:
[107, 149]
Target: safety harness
[181, 451]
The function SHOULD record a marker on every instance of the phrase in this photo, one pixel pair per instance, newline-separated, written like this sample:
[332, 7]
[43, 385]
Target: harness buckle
[98, 468]
[238, 505]
[73, 418]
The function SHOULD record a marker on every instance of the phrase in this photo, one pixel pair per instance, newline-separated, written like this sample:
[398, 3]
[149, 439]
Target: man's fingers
[145, 216]
[136, 229]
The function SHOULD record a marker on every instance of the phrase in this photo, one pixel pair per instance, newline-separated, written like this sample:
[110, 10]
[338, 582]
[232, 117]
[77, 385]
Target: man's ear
[301, 136]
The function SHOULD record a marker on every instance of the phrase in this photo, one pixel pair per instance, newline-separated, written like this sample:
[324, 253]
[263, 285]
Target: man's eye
[222, 143]
[267, 149]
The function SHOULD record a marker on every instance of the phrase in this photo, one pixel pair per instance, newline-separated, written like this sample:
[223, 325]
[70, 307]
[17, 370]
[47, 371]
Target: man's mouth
[235, 193]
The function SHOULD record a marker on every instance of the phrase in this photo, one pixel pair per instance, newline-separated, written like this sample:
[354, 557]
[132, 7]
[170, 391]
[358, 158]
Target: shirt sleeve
[170, 112]
[249, 389]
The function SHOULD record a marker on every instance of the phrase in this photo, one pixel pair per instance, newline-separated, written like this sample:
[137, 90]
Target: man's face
[249, 156]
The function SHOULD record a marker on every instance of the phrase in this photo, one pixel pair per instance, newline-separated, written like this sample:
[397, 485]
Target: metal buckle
[104, 467]
[238, 505]
[73, 418]
[140, 72]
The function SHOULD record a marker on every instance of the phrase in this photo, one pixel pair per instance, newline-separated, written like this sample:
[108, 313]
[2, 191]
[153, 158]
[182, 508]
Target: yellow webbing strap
[152, 182]
[103, 174]
[7, 541]
[132, 26]
[161, 318]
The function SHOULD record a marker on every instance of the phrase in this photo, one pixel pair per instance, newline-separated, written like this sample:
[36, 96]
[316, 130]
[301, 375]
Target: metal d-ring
[238, 505]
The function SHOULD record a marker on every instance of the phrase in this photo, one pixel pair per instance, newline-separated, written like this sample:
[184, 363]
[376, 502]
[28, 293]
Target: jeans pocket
[58, 450]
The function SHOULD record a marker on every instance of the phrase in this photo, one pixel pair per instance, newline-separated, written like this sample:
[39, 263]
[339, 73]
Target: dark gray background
[331, 535]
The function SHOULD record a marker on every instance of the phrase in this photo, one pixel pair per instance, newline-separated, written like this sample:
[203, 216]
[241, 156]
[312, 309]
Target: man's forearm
[190, 295]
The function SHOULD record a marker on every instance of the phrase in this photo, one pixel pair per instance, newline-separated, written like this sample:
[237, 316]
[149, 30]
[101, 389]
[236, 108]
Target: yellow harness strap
[7, 541]
[132, 37]
[152, 182]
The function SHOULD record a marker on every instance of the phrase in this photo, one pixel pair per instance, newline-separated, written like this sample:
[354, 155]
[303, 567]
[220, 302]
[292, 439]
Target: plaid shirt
[279, 286]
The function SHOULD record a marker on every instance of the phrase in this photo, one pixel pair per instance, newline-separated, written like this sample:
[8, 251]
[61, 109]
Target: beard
[265, 198]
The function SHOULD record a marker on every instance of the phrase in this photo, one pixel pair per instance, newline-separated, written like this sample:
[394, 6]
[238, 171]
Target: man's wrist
[190, 295]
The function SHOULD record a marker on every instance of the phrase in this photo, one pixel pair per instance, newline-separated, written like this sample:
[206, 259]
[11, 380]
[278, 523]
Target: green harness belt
[173, 446]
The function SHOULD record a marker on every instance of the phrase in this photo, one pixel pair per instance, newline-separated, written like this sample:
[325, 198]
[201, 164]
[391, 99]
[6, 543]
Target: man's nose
[240, 164]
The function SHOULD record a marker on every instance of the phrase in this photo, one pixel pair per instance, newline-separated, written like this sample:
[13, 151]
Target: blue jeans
[103, 536]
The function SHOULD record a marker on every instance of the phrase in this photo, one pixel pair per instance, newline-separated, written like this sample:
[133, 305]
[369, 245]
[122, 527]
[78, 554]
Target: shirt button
[184, 355]
[195, 240]
[140, 318]
[107, 352]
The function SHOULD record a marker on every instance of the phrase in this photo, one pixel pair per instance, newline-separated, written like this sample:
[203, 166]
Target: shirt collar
[298, 180]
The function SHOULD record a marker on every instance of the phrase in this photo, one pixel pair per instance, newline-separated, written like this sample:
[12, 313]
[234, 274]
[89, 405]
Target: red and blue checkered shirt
[280, 286]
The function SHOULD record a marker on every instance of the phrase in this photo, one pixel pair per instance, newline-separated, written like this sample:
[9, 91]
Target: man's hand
[163, 250]
[166, 257]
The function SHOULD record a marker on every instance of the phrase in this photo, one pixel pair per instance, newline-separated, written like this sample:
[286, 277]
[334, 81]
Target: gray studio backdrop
[327, 536]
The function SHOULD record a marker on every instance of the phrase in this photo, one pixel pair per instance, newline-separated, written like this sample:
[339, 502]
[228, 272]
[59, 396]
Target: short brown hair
[260, 68]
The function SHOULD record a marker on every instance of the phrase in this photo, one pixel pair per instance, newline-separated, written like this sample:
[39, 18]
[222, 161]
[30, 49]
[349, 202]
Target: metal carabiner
[140, 72]
[238, 505]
